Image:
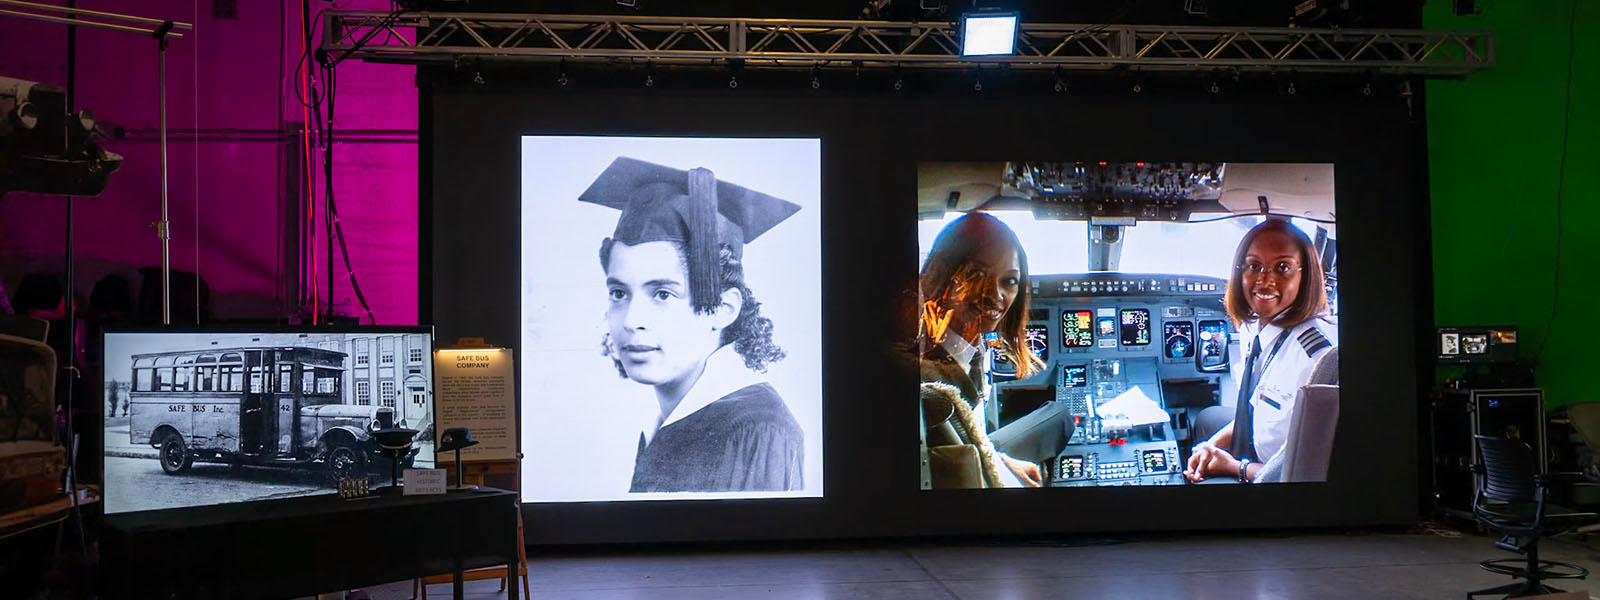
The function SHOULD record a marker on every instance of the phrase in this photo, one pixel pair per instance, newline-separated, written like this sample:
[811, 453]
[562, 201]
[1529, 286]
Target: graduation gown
[744, 441]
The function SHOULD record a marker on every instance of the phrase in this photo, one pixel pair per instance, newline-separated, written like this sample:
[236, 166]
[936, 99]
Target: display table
[305, 546]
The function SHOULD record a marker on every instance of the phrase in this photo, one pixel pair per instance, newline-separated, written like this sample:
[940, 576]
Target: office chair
[1511, 500]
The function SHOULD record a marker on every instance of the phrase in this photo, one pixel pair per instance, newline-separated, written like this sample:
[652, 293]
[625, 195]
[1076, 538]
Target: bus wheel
[175, 457]
[345, 462]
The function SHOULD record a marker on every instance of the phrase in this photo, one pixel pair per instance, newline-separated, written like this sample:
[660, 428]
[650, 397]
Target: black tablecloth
[304, 546]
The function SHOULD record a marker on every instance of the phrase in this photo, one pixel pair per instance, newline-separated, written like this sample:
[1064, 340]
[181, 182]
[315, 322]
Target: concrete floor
[1239, 567]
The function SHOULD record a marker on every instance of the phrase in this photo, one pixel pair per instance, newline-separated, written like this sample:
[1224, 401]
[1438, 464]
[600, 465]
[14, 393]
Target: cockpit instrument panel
[1074, 376]
[1179, 339]
[1213, 344]
[1038, 341]
[1135, 327]
[1077, 329]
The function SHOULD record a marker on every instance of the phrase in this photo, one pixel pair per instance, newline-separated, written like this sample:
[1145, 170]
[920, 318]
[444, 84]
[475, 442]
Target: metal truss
[419, 37]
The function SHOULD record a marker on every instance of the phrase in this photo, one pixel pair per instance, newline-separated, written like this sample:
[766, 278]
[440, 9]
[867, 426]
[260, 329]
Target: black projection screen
[871, 144]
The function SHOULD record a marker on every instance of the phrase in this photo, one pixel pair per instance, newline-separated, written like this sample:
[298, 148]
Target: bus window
[183, 379]
[285, 377]
[205, 369]
[164, 375]
[308, 380]
[231, 370]
[142, 375]
[327, 381]
[259, 379]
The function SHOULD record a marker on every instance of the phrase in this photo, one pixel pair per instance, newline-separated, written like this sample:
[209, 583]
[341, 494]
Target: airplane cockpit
[1129, 263]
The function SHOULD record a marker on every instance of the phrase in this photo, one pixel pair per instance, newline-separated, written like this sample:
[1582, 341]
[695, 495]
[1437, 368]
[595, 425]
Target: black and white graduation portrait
[671, 318]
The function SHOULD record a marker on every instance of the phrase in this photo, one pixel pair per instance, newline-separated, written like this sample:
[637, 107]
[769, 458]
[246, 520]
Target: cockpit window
[1053, 246]
[1058, 247]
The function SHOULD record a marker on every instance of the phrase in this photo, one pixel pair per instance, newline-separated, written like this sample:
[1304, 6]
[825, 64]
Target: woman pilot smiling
[1277, 300]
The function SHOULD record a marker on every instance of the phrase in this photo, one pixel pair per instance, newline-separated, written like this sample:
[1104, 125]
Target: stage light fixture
[628, 3]
[988, 33]
[1286, 86]
[816, 78]
[1061, 82]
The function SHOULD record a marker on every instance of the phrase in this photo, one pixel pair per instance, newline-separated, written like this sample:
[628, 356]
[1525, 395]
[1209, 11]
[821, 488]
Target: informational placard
[423, 482]
[476, 389]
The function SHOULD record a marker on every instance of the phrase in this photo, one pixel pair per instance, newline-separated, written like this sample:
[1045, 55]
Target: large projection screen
[871, 145]
[731, 400]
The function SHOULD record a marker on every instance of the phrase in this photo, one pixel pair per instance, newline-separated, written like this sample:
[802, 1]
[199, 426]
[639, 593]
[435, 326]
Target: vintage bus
[282, 406]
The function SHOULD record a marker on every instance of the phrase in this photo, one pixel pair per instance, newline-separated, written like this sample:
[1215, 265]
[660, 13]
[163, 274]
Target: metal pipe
[235, 134]
[65, 21]
[163, 227]
[66, 10]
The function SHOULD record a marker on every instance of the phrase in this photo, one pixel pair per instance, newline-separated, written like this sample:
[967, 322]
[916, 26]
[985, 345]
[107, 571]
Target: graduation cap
[692, 208]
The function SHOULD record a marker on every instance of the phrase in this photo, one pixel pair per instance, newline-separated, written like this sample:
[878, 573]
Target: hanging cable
[1561, 181]
[308, 229]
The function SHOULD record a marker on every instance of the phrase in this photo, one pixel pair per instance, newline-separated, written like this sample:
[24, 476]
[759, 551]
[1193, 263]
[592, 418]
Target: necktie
[975, 371]
[1243, 431]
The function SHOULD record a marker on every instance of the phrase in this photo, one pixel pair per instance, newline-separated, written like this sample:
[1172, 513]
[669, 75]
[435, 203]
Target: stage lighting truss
[419, 37]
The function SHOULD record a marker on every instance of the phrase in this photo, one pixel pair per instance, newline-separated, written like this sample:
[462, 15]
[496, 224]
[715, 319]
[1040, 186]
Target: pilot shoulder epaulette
[1312, 341]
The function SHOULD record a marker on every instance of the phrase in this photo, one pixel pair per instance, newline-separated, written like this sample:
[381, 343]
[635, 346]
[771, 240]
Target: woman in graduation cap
[682, 320]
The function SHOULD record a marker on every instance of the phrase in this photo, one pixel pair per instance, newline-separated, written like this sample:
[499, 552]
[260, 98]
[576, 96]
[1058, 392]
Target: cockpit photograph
[1125, 323]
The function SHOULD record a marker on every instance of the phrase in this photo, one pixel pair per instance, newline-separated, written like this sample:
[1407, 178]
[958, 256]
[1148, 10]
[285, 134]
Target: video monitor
[671, 318]
[1214, 344]
[1074, 376]
[1179, 338]
[1106, 331]
[1476, 345]
[1135, 327]
[1037, 338]
[221, 416]
[1213, 257]
[1077, 328]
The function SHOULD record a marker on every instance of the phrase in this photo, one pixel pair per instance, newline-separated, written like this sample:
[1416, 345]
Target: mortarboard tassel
[702, 250]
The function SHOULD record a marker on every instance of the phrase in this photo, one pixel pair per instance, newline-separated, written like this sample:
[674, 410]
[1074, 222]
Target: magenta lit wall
[232, 186]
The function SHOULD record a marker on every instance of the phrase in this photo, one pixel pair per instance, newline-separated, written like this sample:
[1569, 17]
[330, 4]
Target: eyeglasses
[1281, 269]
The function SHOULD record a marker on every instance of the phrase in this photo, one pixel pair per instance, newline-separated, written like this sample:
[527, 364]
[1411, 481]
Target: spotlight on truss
[985, 33]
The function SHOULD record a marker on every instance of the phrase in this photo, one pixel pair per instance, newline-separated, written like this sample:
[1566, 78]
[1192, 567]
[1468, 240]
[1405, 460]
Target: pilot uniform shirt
[1286, 371]
[731, 432]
